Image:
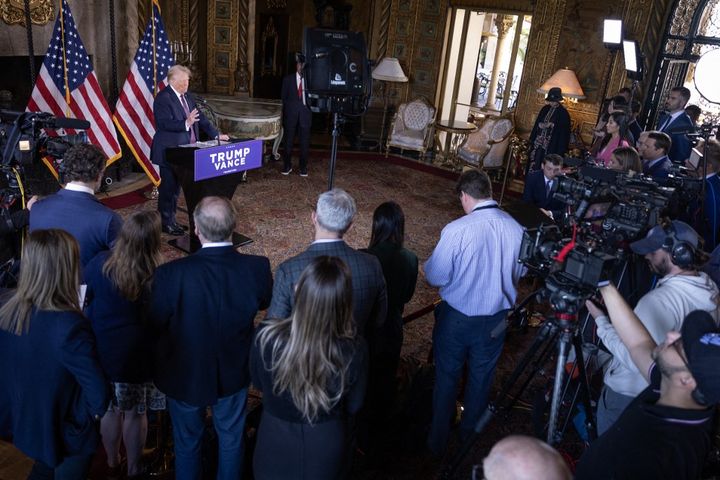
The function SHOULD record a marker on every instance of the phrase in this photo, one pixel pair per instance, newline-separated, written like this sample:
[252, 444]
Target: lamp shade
[568, 83]
[389, 70]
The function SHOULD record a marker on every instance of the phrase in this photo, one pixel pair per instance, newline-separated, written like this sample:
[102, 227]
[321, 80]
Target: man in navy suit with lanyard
[296, 116]
[176, 123]
[677, 124]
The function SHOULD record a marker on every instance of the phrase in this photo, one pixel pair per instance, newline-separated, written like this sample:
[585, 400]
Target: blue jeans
[188, 423]
[458, 338]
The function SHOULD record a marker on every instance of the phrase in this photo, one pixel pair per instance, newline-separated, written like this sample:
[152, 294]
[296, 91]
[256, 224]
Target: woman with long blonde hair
[118, 294]
[53, 389]
[311, 369]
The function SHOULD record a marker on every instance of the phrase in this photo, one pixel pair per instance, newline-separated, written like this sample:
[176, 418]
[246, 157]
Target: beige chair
[486, 148]
[412, 127]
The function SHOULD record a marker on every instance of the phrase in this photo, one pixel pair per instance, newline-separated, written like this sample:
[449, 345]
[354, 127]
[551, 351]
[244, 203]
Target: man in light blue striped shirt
[475, 266]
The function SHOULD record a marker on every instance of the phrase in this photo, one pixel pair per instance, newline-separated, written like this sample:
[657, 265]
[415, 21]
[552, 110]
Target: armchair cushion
[486, 147]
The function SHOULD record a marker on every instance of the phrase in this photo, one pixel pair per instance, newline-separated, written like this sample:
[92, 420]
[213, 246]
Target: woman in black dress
[311, 369]
[400, 269]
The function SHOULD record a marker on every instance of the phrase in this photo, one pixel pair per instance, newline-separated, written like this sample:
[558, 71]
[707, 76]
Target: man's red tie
[300, 90]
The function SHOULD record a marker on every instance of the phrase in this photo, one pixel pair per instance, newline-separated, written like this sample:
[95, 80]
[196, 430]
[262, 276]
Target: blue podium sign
[221, 160]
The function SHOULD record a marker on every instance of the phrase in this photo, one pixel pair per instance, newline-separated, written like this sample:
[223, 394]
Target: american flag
[148, 75]
[67, 86]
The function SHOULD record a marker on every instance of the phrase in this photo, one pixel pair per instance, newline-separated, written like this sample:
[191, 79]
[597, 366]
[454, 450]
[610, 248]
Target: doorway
[484, 59]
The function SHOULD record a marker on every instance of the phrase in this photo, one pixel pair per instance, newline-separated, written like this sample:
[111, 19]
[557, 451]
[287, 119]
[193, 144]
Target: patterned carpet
[274, 210]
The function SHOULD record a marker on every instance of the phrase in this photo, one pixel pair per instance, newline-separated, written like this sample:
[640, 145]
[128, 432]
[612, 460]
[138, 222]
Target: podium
[183, 161]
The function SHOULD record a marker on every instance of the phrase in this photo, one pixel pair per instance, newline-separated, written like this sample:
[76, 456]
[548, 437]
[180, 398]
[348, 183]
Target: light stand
[612, 39]
[387, 71]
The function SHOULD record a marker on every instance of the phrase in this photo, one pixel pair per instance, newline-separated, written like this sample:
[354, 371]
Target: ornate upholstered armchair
[486, 147]
[412, 127]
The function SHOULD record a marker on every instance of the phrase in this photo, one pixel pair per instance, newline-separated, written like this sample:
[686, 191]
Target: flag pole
[65, 72]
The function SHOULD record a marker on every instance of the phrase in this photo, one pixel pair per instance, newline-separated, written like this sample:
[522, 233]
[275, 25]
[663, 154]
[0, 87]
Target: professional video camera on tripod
[27, 139]
[588, 247]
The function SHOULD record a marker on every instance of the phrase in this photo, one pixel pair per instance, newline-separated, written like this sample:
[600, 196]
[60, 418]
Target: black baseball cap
[701, 343]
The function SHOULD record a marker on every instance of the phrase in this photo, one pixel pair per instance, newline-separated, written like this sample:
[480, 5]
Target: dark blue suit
[54, 385]
[120, 326]
[202, 308]
[296, 117]
[660, 169]
[535, 193]
[682, 125]
[170, 131]
[708, 225]
[93, 225]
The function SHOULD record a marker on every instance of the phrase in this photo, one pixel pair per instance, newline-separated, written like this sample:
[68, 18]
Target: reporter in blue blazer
[53, 385]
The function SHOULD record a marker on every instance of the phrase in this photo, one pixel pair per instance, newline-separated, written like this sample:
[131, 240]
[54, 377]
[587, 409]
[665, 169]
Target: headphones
[681, 252]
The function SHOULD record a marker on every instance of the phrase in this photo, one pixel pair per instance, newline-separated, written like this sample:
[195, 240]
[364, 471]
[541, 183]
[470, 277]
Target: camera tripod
[560, 329]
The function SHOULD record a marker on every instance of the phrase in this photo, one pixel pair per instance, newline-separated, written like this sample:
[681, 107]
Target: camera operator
[654, 148]
[666, 431]
[672, 253]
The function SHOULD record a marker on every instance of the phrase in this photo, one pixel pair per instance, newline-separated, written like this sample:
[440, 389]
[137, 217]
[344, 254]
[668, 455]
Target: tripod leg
[563, 348]
[590, 424]
[546, 332]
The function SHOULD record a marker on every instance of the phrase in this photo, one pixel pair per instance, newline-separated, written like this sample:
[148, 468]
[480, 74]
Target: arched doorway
[693, 28]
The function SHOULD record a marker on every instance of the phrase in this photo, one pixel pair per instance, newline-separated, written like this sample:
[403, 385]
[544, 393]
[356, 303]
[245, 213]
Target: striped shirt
[475, 263]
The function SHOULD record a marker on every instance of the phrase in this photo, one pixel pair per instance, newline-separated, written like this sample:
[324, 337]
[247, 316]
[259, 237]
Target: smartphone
[695, 157]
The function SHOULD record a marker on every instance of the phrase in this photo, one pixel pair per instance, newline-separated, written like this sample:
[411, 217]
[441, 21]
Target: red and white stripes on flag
[67, 86]
[148, 75]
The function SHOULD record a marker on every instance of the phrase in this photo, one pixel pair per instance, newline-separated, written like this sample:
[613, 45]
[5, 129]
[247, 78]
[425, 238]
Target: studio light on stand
[568, 83]
[612, 33]
[707, 71]
[707, 85]
[634, 64]
[387, 71]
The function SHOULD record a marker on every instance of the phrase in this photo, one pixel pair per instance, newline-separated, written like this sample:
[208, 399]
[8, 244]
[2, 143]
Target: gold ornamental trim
[12, 12]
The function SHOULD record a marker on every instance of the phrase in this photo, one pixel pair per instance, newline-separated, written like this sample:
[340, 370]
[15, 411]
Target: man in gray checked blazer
[332, 217]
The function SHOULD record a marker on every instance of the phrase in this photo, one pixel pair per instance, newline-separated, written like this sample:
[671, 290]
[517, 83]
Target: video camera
[584, 250]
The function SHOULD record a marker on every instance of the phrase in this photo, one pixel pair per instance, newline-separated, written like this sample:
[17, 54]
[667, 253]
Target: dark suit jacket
[202, 310]
[52, 386]
[369, 292]
[535, 193]
[170, 128]
[659, 170]
[680, 148]
[120, 326]
[294, 111]
[93, 225]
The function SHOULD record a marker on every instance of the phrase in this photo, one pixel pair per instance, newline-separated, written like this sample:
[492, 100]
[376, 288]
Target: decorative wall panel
[222, 45]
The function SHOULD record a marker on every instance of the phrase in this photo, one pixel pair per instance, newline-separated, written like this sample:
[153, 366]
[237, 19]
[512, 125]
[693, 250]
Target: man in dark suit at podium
[176, 123]
[296, 116]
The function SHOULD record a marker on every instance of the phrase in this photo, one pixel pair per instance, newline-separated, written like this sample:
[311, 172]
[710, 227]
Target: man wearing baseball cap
[673, 252]
[666, 432]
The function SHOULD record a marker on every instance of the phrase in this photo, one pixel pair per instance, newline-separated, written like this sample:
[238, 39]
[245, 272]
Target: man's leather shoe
[173, 229]
[180, 225]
